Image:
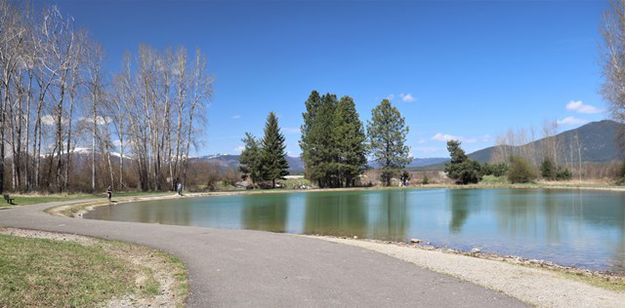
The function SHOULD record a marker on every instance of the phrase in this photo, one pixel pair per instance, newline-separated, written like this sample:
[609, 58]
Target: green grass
[27, 199]
[47, 273]
[491, 179]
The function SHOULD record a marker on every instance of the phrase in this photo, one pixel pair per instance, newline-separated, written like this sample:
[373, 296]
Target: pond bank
[534, 282]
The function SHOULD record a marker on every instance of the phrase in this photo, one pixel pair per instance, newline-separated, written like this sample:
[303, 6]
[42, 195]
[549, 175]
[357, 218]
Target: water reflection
[336, 214]
[582, 228]
[268, 214]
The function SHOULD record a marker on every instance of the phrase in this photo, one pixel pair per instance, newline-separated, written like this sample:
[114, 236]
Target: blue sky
[466, 69]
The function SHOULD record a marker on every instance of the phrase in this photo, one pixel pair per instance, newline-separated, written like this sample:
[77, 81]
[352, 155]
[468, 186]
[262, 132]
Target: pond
[569, 227]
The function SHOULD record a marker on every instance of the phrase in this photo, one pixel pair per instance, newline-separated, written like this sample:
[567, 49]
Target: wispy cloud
[446, 137]
[580, 107]
[406, 97]
[571, 121]
[236, 116]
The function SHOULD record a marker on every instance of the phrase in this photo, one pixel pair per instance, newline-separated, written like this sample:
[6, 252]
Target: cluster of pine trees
[265, 160]
[334, 144]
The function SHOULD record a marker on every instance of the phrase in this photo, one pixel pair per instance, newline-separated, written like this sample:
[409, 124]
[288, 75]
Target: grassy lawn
[27, 199]
[42, 272]
[52, 273]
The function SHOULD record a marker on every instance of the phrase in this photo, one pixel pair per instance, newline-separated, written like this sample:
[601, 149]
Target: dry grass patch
[58, 270]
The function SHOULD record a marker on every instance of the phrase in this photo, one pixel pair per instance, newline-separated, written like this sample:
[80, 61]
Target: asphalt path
[243, 268]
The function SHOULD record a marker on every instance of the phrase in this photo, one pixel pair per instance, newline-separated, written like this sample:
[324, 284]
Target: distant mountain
[597, 144]
[296, 165]
[424, 162]
[597, 141]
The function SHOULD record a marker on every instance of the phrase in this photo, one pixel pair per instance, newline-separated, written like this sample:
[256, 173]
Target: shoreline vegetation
[48, 269]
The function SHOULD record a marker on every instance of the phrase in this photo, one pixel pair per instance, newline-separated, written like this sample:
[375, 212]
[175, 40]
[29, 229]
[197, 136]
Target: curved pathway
[234, 268]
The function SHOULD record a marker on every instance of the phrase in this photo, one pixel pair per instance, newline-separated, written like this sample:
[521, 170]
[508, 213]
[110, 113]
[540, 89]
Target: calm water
[580, 228]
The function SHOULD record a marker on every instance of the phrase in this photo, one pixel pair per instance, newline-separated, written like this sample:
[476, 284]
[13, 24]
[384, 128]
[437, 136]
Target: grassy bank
[50, 272]
[35, 198]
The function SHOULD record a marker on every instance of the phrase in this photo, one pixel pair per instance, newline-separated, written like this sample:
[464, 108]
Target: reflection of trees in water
[267, 213]
[459, 204]
[391, 221]
[336, 213]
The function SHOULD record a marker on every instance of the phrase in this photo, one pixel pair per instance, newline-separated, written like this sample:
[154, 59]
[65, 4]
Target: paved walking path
[241, 268]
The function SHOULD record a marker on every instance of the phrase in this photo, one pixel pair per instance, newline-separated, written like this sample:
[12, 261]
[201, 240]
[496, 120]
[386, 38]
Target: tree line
[335, 147]
[138, 125]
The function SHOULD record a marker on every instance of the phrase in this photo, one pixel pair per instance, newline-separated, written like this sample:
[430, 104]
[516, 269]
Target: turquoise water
[577, 228]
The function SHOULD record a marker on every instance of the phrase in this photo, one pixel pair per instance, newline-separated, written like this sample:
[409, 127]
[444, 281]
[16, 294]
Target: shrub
[563, 174]
[425, 180]
[466, 172]
[497, 170]
[521, 171]
[548, 170]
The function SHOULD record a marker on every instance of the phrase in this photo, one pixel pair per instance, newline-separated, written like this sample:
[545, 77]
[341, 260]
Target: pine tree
[308, 137]
[274, 163]
[349, 138]
[387, 132]
[460, 168]
[319, 149]
[250, 160]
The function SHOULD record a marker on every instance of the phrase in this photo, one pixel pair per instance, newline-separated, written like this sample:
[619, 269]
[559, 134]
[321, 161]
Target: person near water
[109, 192]
[179, 188]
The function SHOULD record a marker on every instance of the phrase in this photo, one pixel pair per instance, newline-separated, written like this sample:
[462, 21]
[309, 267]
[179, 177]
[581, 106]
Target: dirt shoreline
[533, 283]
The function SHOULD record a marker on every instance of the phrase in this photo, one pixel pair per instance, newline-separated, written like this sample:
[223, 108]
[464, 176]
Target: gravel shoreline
[532, 285]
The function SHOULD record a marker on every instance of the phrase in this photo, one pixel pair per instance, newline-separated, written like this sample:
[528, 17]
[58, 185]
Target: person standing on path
[109, 192]
[179, 188]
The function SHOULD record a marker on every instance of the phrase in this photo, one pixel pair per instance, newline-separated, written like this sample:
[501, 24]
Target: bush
[496, 170]
[563, 174]
[548, 170]
[425, 180]
[466, 172]
[521, 171]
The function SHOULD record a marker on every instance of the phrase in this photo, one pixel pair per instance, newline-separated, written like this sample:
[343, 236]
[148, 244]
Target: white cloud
[406, 97]
[445, 137]
[99, 119]
[571, 121]
[236, 116]
[580, 107]
[47, 120]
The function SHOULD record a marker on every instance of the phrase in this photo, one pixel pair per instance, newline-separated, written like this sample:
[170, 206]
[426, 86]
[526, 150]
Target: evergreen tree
[273, 158]
[319, 149]
[460, 168]
[250, 160]
[308, 138]
[548, 170]
[349, 140]
[387, 132]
